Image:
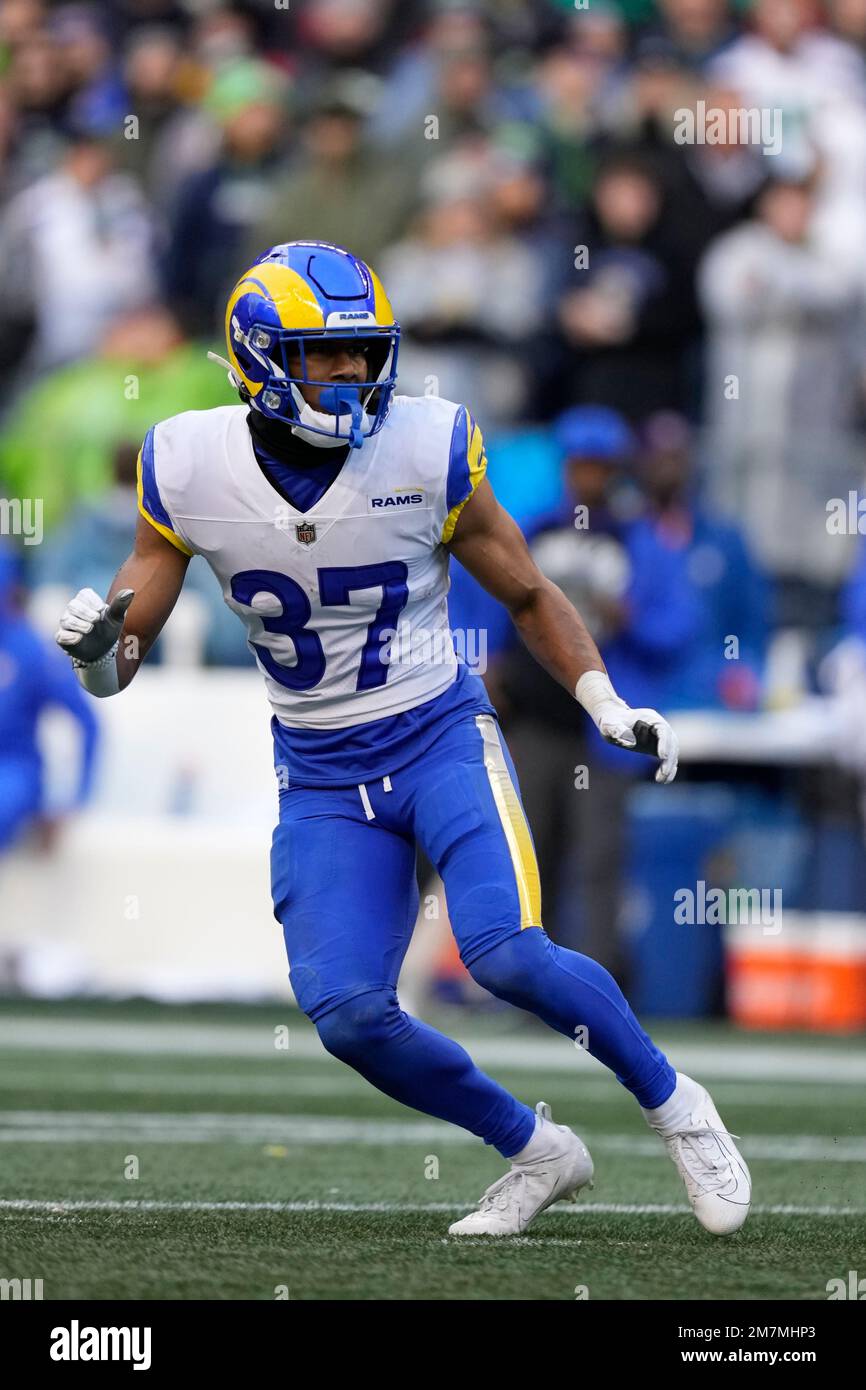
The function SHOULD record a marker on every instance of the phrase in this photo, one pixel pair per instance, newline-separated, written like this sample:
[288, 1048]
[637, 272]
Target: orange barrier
[810, 975]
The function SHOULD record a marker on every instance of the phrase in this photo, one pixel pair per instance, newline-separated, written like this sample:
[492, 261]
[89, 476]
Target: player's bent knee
[358, 1027]
[509, 969]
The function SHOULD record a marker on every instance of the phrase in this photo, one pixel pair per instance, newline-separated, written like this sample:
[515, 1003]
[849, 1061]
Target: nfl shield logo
[306, 532]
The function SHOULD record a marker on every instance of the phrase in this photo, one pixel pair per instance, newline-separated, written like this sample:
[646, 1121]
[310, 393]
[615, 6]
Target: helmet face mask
[298, 301]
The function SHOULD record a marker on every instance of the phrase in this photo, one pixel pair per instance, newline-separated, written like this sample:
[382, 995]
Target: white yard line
[288, 1083]
[62, 1207]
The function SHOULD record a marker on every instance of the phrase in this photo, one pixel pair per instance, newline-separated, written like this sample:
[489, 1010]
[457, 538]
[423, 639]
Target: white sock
[542, 1143]
[676, 1111]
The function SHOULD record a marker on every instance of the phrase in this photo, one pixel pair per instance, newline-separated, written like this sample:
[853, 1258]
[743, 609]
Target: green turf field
[266, 1171]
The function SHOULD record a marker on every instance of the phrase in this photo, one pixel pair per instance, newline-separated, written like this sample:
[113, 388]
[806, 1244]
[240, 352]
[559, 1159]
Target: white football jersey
[345, 604]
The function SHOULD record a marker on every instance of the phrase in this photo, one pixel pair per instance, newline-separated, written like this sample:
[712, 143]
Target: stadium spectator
[340, 34]
[722, 664]
[695, 30]
[782, 393]
[447, 73]
[96, 537]
[33, 677]
[340, 188]
[853, 597]
[98, 100]
[217, 207]
[469, 292]
[76, 249]
[571, 93]
[631, 583]
[35, 86]
[174, 136]
[82, 413]
[816, 81]
[628, 314]
[19, 20]
[847, 19]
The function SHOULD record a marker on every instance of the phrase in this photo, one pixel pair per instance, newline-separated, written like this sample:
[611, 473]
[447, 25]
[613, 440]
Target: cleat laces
[705, 1164]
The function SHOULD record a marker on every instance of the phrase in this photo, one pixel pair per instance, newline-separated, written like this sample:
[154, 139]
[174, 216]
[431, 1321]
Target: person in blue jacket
[852, 601]
[721, 667]
[33, 676]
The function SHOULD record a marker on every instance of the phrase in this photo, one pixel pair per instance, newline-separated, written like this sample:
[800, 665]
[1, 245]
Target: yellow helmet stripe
[381, 303]
[289, 294]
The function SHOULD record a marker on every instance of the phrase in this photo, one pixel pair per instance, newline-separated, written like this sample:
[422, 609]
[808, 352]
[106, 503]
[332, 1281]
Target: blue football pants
[344, 889]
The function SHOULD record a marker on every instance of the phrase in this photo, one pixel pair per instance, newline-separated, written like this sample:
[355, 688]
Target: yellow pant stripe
[513, 822]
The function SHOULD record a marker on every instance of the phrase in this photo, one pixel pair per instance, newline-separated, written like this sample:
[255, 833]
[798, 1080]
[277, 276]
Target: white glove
[641, 730]
[89, 632]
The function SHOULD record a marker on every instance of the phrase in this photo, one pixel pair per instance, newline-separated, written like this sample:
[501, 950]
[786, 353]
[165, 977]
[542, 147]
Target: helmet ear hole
[377, 356]
[247, 363]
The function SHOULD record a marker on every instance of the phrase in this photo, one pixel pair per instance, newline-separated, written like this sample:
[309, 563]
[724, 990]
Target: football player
[328, 508]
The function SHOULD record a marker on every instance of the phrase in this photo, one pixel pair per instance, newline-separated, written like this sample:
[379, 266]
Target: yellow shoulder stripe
[157, 525]
[477, 460]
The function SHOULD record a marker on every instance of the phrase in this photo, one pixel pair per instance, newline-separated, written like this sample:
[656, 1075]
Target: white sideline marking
[164, 1127]
[732, 1057]
[61, 1207]
[202, 1084]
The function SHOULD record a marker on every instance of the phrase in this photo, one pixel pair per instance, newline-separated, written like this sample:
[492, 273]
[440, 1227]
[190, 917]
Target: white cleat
[508, 1207]
[715, 1174]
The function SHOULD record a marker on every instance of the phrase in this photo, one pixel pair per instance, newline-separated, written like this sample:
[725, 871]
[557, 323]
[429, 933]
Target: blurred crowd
[665, 332]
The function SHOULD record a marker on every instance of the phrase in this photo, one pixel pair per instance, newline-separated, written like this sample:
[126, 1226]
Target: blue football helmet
[298, 295]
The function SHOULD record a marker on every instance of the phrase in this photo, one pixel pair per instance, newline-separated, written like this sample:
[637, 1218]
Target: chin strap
[337, 400]
[356, 434]
[343, 399]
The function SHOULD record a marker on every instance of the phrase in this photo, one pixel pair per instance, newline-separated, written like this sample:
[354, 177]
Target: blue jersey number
[335, 586]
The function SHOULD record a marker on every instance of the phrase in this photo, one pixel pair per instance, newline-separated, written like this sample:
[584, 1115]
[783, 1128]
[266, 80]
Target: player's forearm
[488, 542]
[142, 626]
[156, 571]
[556, 635]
